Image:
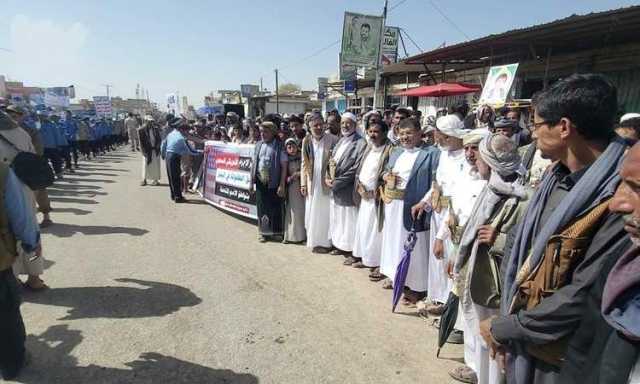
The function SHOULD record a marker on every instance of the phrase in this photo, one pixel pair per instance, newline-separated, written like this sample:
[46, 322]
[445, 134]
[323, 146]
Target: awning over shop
[442, 89]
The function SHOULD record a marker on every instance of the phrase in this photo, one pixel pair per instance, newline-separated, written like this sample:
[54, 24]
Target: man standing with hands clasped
[316, 151]
[343, 208]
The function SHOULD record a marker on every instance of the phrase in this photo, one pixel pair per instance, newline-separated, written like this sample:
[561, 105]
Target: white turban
[475, 136]
[349, 116]
[629, 116]
[501, 154]
[451, 125]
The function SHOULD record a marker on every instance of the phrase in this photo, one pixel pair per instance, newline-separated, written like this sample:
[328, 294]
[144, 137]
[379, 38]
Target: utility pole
[277, 94]
[377, 84]
[261, 87]
[108, 87]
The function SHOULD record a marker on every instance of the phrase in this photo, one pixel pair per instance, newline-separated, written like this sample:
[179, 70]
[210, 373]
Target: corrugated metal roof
[573, 33]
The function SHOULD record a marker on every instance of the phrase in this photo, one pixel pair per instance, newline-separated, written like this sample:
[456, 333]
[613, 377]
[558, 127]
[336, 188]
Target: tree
[289, 88]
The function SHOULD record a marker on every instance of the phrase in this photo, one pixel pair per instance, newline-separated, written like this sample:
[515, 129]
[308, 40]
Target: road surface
[147, 291]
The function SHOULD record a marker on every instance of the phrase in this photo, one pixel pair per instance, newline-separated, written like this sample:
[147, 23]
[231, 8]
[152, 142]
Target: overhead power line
[448, 19]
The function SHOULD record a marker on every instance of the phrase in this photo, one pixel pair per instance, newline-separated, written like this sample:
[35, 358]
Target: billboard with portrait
[498, 84]
[361, 40]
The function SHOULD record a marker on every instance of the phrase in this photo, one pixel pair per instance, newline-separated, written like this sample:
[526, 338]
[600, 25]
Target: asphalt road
[147, 291]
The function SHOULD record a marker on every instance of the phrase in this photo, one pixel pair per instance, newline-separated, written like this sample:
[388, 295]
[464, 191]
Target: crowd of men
[522, 224]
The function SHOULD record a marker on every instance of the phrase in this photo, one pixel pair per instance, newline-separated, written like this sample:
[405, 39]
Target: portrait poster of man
[499, 81]
[361, 39]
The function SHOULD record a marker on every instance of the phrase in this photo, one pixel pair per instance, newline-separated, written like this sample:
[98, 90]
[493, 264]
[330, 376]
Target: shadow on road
[52, 362]
[117, 302]
[72, 180]
[68, 230]
[91, 173]
[75, 211]
[93, 168]
[67, 192]
[73, 186]
[71, 200]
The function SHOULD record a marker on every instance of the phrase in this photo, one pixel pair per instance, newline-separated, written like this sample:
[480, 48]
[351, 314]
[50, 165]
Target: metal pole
[277, 94]
[377, 84]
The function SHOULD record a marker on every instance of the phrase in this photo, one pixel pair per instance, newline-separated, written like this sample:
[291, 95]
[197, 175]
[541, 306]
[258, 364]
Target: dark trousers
[270, 209]
[65, 152]
[83, 147]
[54, 156]
[173, 173]
[12, 333]
[93, 146]
[73, 149]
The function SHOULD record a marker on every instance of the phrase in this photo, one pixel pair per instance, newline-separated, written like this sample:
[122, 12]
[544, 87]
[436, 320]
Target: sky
[195, 47]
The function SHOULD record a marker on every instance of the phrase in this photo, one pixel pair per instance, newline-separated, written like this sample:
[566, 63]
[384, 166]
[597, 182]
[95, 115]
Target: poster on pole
[249, 90]
[57, 97]
[103, 106]
[361, 36]
[227, 177]
[390, 45]
[172, 103]
[498, 84]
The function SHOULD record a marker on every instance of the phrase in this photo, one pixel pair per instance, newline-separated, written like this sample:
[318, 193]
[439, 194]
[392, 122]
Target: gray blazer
[346, 171]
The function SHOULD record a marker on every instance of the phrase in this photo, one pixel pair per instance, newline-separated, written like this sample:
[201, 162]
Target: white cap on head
[350, 116]
[451, 125]
[475, 136]
[628, 116]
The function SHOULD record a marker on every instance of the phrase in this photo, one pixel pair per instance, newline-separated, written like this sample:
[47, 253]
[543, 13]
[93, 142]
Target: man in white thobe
[150, 140]
[368, 239]
[344, 201]
[131, 125]
[316, 150]
[451, 174]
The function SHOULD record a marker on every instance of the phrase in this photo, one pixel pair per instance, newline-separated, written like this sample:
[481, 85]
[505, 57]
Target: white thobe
[368, 241]
[394, 233]
[342, 219]
[317, 201]
[451, 170]
[151, 171]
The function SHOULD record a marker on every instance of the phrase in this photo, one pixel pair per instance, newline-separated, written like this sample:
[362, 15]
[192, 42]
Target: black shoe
[180, 200]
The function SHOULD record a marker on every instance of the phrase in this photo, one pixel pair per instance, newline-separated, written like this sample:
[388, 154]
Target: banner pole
[377, 83]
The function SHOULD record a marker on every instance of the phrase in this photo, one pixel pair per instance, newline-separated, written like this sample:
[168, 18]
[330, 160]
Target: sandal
[376, 276]
[38, 286]
[349, 261]
[358, 264]
[387, 284]
[464, 374]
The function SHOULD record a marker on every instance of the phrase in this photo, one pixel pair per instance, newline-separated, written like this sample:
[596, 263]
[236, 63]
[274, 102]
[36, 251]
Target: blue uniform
[176, 143]
[52, 136]
[63, 138]
[18, 208]
[70, 128]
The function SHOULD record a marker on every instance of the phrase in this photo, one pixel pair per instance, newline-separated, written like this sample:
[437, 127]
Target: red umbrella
[442, 89]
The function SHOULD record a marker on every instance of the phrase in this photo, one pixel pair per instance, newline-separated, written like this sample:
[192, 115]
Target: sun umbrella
[447, 320]
[403, 268]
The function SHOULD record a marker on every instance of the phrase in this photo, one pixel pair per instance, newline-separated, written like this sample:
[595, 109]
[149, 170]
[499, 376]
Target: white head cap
[628, 116]
[350, 116]
[451, 125]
